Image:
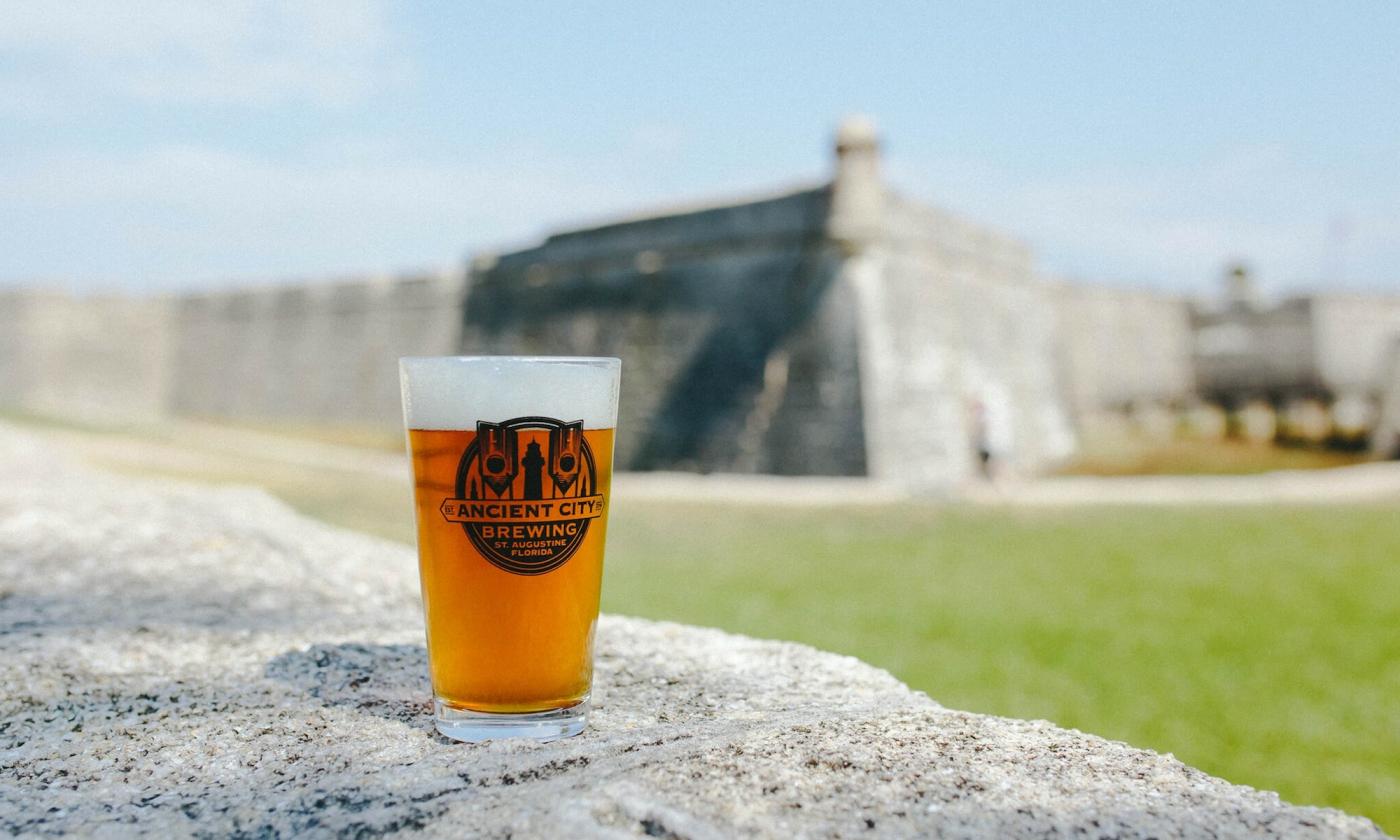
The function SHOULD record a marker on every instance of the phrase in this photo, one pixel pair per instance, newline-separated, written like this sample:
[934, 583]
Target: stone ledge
[185, 661]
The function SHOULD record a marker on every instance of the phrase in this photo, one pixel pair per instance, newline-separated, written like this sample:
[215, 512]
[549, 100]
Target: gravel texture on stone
[186, 661]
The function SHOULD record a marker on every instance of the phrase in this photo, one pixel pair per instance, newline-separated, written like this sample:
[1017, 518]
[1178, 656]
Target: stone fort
[843, 329]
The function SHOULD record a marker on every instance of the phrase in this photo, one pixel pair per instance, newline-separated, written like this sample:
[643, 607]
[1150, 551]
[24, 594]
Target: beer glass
[512, 464]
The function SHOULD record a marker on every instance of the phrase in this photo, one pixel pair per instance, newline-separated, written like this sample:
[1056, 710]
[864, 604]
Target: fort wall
[1243, 353]
[1353, 334]
[322, 353]
[1385, 442]
[105, 359]
[1120, 347]
[960, 336]
[739, 355]
[836, 330]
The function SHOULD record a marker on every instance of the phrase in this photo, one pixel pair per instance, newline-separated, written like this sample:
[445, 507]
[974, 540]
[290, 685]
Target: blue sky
[166, 145]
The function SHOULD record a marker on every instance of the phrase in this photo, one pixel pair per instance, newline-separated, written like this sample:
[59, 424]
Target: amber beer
[512, 466]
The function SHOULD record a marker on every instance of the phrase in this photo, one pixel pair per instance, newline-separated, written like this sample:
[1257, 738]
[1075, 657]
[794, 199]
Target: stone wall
[1385, 442]
[318, 353]
[1246, 352]
[1352, 334]
[836, 331]
[956, 326]
[839, 330]
[21, 349]
[105, 359]
[324, 353]
[1322, 358]
[1119, 347]
[738, 347]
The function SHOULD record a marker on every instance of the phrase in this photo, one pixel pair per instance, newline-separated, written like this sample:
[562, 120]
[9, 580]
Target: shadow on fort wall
[731, 355]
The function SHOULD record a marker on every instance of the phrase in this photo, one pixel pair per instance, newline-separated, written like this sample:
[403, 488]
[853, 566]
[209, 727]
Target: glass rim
[600, 361]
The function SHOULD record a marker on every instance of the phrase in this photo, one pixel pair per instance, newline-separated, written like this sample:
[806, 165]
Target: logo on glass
[526, 493]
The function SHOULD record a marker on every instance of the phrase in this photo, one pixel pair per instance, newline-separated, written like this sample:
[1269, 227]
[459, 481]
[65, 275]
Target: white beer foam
[454, 392]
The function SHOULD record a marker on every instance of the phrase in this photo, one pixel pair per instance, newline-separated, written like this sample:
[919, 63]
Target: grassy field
[1259, 644]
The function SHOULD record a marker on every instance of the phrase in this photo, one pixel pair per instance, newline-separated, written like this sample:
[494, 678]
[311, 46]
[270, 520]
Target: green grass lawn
[1259, 644]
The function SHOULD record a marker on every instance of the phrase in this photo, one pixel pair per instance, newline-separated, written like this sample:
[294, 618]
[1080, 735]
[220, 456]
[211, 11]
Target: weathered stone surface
[181, 661]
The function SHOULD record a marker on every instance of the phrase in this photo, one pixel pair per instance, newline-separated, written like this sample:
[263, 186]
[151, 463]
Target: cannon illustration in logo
[566, 454]
[496, 460]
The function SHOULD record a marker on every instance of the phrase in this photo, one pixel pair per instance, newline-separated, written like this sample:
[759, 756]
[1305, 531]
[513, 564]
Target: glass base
[550, 725]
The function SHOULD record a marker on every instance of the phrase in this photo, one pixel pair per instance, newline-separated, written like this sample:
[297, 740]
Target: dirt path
[197, 449]
[1337, 485]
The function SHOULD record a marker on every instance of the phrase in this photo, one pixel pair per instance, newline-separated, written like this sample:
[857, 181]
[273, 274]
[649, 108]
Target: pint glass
[512, 464]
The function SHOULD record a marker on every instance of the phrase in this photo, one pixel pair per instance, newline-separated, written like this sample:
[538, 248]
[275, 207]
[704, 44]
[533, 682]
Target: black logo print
[526, 493]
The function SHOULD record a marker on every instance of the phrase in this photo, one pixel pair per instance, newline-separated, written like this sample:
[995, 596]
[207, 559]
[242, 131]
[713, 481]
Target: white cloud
[183, 215]
[1176, 226]
[240, 52]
